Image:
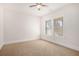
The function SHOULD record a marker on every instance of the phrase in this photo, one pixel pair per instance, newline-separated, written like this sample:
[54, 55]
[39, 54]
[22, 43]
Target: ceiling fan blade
[32, 5]
[44, 5]
[38, 3]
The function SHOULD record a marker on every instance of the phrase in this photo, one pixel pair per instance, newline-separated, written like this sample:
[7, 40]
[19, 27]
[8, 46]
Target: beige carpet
[36, 48]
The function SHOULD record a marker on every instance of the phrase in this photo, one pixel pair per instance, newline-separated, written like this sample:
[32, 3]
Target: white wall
[19, 25]
[1, 26]
[71, 26]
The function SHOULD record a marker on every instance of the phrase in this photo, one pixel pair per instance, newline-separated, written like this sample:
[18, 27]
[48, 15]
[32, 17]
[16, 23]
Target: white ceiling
[33, 11]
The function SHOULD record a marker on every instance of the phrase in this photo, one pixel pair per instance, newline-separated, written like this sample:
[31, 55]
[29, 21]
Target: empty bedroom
[39, 29]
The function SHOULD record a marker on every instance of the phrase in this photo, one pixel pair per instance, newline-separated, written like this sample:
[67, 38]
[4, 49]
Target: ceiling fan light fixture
[39, 7]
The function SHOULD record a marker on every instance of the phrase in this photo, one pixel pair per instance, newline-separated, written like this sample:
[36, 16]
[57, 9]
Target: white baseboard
[64, 45]
[1, 46]
[18, 41]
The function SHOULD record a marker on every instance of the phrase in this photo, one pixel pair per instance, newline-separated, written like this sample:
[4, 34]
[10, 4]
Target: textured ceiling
[34, 11]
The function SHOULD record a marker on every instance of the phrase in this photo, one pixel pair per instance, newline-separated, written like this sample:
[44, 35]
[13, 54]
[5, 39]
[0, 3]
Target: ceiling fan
[38, 5]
